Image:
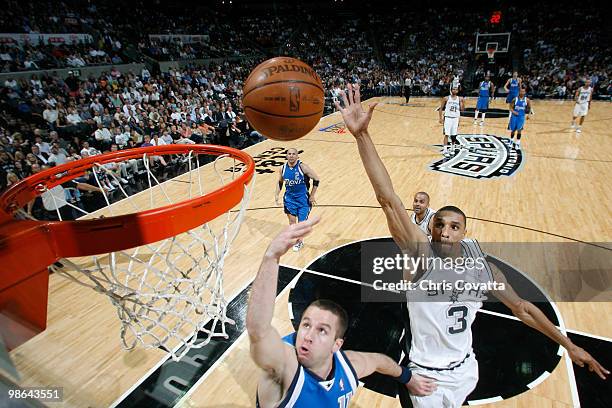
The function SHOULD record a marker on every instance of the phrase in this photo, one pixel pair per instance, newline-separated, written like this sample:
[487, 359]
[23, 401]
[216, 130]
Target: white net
[168, 294]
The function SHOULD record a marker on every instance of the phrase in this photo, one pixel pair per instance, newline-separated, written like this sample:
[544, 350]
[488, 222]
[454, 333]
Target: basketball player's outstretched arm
[405, 234]
[532, 316]
[369, 363]
[267, 348]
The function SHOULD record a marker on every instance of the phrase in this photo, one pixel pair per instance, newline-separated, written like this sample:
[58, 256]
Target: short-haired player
[485, 94]
[449, 113]
[583, 97]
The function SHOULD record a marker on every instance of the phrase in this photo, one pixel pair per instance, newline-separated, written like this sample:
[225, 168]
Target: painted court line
[485, 401]
[538, 380]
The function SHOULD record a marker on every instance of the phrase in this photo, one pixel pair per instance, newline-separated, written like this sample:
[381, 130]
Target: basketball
[283, 98]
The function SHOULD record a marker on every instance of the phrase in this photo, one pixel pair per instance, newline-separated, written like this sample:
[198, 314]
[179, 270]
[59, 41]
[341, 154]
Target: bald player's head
[420, 203]
[292, 156]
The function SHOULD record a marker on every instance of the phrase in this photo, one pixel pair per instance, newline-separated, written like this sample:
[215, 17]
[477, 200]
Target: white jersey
[584, 95]
[453, 108]
[424, 224]
[441, 317]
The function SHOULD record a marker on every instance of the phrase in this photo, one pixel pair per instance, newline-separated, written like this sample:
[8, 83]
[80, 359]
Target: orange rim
[32, 245]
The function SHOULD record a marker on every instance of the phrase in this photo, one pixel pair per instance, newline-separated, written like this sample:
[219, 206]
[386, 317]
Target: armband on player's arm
[315, 183]
[405, 376]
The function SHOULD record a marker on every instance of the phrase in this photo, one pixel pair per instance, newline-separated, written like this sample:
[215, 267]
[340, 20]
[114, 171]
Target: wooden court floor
[560, 193]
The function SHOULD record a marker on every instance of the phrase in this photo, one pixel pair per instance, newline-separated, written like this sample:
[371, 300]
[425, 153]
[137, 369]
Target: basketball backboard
[498, 41]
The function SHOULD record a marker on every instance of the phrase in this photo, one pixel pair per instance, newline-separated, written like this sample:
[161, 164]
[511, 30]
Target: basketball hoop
[160, 266]
[491, 53]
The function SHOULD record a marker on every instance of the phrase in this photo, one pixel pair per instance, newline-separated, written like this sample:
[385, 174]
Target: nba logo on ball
[294, 99]
[283, 98]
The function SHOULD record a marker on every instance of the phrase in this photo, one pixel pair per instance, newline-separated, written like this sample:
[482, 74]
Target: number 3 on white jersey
[456, 315]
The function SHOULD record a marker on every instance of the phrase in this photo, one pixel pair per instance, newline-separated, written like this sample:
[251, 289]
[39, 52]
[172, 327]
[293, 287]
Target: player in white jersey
[441, 331]
[450, 107]
[422, 215]
[583, 98]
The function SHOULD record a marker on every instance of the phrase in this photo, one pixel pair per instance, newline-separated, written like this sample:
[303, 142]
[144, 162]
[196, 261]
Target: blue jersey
[485, 86]
[296, 183]
[518, 121]
[308, 390]
[514, 87]
[520, 105]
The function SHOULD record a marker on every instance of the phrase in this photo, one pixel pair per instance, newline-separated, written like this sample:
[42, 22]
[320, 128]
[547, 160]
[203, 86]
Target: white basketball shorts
[453, 385]
[451, 126]
[581, 109]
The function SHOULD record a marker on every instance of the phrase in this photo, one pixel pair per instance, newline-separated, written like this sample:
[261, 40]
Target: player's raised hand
[355, 118]
[421, 386]
[581, 357]
[289, 236]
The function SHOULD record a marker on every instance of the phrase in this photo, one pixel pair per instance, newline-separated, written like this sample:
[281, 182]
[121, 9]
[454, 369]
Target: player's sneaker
[482, 123]
[298, 246]
[475, 122]
[578, 130]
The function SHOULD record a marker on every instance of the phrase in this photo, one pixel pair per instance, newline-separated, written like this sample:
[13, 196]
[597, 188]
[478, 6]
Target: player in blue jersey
[485, 93]
[512, 86]
[298, 201]
[308, 368]
[519, 106]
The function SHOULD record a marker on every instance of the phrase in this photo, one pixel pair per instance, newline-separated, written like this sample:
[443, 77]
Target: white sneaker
[573, 126]
[578, 130]
[298, 246]
[475, 122]
[482, 123]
